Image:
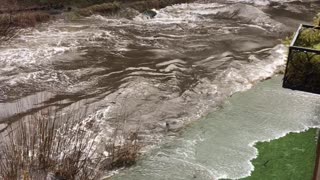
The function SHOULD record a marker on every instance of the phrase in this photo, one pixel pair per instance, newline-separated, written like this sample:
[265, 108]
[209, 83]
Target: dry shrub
[124, 154]
[30, 19]
[146, 5]
[10, 24]
[124, 146]
[13, 18]
[7, 29]
[103, 9]
[46, 143]
[9, 5]
[51, 143]
[149, 4]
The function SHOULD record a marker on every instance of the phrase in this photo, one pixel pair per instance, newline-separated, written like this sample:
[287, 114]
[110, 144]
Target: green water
[221, 145]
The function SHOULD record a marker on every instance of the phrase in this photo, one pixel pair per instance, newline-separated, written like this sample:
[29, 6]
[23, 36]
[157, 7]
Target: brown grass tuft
[7, 29]
[102, 9]
[10, 24]
[30, 19]
[52, 143]
[45, 143]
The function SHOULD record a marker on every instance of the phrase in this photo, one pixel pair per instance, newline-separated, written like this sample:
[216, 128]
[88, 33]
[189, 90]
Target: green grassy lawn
[289, 158]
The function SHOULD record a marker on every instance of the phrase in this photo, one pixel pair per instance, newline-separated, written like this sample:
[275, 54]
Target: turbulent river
[163, 73]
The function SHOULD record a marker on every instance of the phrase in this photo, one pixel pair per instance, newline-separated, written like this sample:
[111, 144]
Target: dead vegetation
[150, 4]
[115, 6]
[7, 30]
[10, 24]
[124, 146]
[44, 143]
[51, 143]
[16, 16]
[102, 9]
[12, 21]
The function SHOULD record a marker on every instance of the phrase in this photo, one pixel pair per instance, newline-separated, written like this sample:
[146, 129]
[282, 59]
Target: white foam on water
[255, 2]
[181, 13]
[195, 13]
[298, 116]
[140, 73]
[29, 58]
[267, 2]
[220, 161]
[37, 47]
[139, 68]
[174, 61]
[221, 146]
[243, 78]
[44, 79]
[97, 129]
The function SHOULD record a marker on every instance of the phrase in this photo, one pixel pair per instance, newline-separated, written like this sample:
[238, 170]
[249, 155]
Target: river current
[163, 72]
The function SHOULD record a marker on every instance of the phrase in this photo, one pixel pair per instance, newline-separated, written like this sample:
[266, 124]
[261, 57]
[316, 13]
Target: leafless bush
[13, 18]
[30, 19]
[50, 143]
[103, 9]
[11, 23]
[124, 146]
[45, 143]
[7, 29]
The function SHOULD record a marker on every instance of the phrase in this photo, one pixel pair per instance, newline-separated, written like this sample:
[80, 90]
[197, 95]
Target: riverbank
[290, 157]
[23, 15]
